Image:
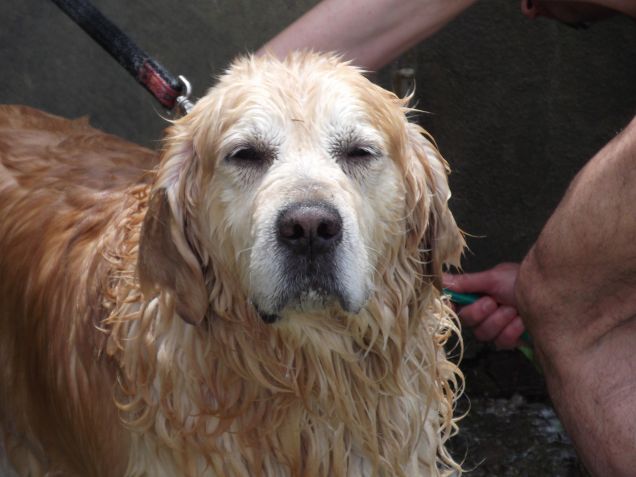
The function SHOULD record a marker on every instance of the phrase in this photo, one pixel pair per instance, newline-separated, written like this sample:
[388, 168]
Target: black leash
[171, 92]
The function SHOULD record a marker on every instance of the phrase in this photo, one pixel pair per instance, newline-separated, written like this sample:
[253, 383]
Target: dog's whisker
[244, 250]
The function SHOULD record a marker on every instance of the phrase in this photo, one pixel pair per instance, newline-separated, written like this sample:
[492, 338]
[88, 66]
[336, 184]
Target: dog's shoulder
[43, 150]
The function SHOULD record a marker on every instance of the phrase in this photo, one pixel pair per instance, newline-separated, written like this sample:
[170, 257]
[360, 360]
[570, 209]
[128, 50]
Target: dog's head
[300, 187]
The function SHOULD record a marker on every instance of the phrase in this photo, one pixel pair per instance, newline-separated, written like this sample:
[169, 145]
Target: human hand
[494, 316]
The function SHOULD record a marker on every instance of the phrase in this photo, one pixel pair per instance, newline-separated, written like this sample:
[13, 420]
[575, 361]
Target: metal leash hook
[183, 104]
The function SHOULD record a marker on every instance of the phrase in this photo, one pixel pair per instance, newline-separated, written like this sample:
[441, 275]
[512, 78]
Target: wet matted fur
[264, 300]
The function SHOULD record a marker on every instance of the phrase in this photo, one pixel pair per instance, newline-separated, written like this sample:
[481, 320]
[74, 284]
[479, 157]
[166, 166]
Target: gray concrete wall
[517, 106]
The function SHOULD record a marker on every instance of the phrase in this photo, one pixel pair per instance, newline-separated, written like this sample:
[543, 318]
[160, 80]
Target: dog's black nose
[310, 228]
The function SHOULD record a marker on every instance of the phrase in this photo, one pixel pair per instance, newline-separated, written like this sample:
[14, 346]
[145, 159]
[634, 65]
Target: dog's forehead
[303, 88]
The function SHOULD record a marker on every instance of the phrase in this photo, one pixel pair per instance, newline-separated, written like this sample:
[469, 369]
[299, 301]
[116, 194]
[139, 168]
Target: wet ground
[513, 437]
[510, 430]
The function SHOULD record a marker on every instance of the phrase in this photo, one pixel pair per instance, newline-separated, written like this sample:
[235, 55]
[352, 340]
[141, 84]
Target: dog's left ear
[431, 223]
[168, 257]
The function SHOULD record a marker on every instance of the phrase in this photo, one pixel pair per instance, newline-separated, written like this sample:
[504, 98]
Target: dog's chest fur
[247, 417]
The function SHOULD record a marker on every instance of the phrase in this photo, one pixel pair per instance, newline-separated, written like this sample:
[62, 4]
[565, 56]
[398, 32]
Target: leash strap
[168, 90]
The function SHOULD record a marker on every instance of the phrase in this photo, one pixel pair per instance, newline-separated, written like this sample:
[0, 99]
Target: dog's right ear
[168, 259]
[431, 222]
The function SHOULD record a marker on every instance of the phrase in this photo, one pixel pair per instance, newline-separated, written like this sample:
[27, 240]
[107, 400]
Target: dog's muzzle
[308, 238]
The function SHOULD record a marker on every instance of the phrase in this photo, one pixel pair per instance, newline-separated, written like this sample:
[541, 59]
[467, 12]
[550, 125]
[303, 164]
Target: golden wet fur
[130, 287]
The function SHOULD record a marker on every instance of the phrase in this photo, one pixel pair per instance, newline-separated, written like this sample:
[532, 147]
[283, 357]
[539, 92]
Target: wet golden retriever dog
[264, 300]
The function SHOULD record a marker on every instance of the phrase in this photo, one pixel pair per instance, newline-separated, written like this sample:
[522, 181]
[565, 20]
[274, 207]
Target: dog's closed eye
[354, 148]
[355, 156]
[248, 155]
[356, 152]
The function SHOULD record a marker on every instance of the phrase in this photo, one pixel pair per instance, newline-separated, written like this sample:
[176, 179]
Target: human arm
[576, 291]
[371, 33]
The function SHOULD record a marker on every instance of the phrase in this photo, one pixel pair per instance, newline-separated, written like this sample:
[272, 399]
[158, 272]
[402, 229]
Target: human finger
[495, 323]
[510, 336]
[468, 282]
[473, 315]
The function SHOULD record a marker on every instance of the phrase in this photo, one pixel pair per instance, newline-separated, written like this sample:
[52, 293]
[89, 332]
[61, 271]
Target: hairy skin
[576, 291]
[370, 33]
